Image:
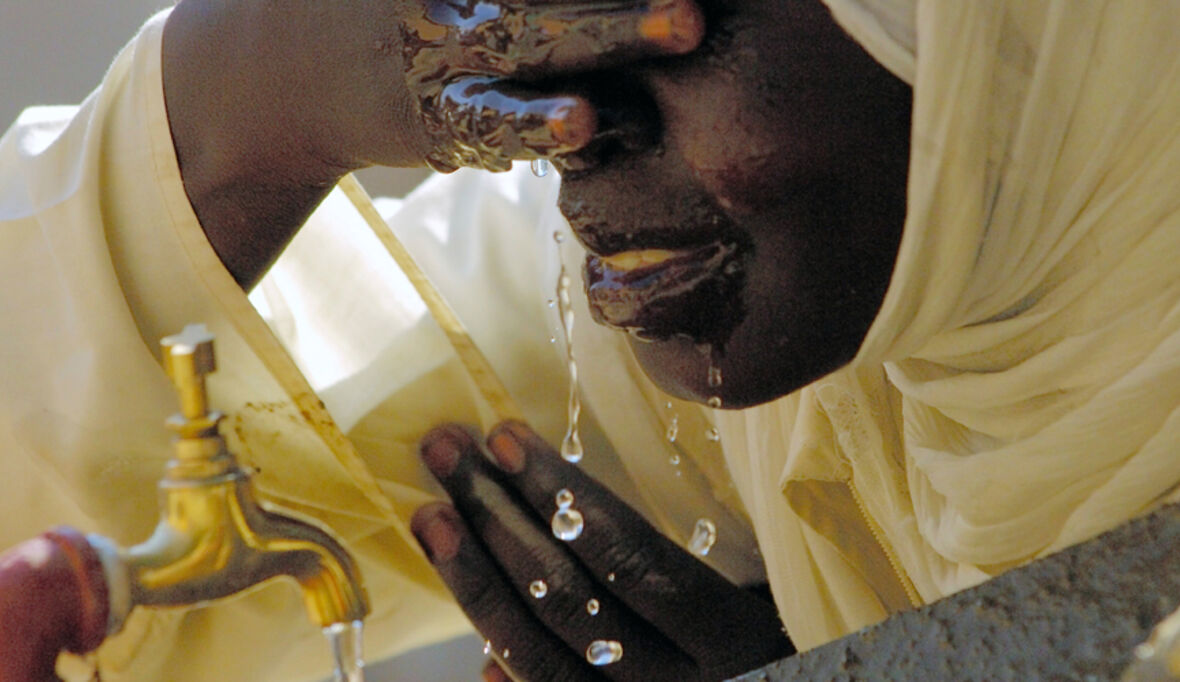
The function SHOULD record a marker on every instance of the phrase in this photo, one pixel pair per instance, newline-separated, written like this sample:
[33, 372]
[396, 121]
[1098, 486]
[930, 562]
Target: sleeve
[101, 256]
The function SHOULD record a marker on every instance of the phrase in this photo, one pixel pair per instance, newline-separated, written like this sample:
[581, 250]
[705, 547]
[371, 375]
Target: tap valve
[188, 357]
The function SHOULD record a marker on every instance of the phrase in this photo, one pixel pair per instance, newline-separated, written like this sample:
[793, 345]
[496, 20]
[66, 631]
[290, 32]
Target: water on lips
[658, 292]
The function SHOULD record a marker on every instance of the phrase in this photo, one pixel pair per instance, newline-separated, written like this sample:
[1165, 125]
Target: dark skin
[264, 126]
[799, 161]
[675, 617]
[780, 139]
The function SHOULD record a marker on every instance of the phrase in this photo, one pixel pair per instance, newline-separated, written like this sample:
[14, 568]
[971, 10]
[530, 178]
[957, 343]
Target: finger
[492, 672]
[486, 123]
[675, 592]
[544, 573]
[543, 40]
[517, 639]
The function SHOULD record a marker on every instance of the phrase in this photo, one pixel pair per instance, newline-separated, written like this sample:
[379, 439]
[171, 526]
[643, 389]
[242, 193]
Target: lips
[658, 293]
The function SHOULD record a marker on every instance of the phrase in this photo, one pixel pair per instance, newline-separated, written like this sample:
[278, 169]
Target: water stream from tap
[345, 642]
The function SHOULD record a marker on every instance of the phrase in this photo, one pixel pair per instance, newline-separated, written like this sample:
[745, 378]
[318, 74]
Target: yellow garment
[1018, 392]
[101, 255]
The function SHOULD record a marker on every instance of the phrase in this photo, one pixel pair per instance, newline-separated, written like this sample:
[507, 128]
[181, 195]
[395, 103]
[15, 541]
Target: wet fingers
[555, 587]
[486, 123]
[543, 40]
[680, 596]
[515, 639]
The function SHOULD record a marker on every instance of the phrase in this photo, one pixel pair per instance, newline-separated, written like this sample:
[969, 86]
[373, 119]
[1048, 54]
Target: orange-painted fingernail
[572, 123]
[676, 27]
[492, 672]
[436, 529]
[441, 450]
[507, 450]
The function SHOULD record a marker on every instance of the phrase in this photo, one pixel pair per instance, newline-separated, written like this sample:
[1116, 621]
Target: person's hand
[270, 103]
[619, 581]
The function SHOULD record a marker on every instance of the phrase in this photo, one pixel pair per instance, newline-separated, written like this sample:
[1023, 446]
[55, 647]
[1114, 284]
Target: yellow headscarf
[1018, 391]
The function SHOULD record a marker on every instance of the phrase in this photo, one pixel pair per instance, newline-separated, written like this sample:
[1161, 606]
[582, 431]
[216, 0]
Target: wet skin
[270, 104]
[780, 139]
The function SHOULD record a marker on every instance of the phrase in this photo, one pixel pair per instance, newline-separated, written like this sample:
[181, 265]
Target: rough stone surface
[1076, 615]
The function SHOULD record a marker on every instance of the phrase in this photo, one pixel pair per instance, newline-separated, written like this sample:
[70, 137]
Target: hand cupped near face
[781, 143]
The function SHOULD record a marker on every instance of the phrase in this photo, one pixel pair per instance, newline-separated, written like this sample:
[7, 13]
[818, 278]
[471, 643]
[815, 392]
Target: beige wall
[56, 52]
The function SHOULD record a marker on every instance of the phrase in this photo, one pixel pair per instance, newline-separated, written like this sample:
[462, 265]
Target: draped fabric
[1018, 391]
[326, 392]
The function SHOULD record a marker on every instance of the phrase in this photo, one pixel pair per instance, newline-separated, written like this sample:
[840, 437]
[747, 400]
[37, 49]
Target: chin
[748, 371]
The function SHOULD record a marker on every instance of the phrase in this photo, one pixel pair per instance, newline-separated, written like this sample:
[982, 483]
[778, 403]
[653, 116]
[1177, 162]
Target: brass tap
[214, 537]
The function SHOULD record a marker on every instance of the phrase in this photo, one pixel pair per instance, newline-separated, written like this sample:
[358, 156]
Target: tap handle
[188, 357]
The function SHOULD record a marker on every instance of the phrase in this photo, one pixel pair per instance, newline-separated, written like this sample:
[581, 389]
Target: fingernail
[441, 451]
[493, 673]
[675, 26]
[506, 449]
[572, 123]
[437, 532]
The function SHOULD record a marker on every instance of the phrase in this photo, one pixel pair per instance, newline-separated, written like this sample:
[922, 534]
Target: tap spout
[214, 539]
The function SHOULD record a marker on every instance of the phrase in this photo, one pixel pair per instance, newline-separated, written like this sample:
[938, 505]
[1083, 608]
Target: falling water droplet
[571, 445]
[505, 654]
[712, 434]
[540, 167]
[604, 652]
[571, 448]
[714, 379]
[610, 577]
[715, 402]
[538, 589]
[704, 535]
[592, 607]
[673, 428]
[674, 460]
[558, 236]
[564, 499]
[567, 524]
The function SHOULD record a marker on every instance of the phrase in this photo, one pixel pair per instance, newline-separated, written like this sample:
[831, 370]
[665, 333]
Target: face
[746, 234]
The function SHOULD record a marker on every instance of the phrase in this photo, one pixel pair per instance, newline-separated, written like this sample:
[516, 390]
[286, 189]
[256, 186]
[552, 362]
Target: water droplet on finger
[673, 429]
[487, 647]
[604, 652]
[540, 167]
[704, 535]
[715, 402]
[567, 524]
[592, 607]
[712, 434]
[538, 589]
[564, 498]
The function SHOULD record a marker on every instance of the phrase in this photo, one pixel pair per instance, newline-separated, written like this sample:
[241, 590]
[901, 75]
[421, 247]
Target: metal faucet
[214, 537]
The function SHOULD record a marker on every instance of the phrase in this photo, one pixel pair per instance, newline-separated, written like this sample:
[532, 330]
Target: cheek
[744, 146]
